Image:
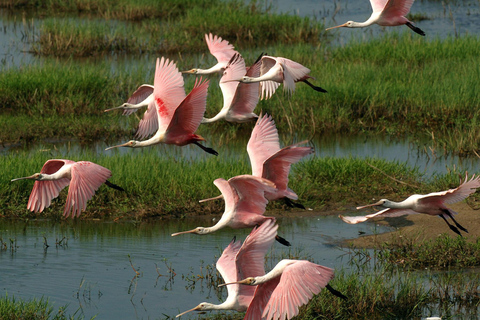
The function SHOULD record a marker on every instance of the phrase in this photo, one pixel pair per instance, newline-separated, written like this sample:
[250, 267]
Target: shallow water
[91, 271]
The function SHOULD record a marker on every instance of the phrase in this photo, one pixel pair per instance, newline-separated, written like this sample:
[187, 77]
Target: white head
[35, 176]
[204, 306]
[348, 24]
[130, 144]
[382, 203]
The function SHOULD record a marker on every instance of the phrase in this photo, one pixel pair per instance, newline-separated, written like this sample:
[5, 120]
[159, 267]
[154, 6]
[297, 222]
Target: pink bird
[239, 99]
[84, 178]
[386, 13]
[239, 261]
[277, 70]
[221, 50]
[178, 115]
[432, 204]
[142, 97]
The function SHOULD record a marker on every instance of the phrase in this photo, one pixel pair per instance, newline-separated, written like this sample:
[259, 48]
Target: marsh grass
[34, 309]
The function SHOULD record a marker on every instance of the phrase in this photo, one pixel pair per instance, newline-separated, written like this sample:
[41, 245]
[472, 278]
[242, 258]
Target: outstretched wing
[247, 94]
[269, 87]
[149, 123]
[219, 48]
[385, 213]
[396, 8]
[292, 72]
[142, 93]
[378, 5]
[251, 193]
[455, 195]
[87, 177]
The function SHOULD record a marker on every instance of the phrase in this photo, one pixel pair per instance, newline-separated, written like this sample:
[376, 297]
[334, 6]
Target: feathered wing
[189, 113]
[227, 268]
[251, 193]
[298, 283]
[149, 123]
[378, 5]
[234, 70]
[87, 177]
[455, 195]
[260, 299]
[142, 93]
[263, 143]
[292, 72]
[168, 91]
[396, 8]
[269, 87]
[229, 195]
[221, 49]
[44, 191]
[385, 213]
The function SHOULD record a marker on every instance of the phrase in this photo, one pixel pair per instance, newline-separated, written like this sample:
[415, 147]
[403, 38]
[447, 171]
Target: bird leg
[416, 29]
[314, 87]
[453, 228]
[293, 204]
[336, 293]
[282, 241]
[114, 186]
[455, 221]
[206, 149]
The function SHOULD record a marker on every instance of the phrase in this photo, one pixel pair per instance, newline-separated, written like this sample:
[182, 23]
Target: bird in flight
[386, 13]
[84, 178]
[178, 114]
[433, 204]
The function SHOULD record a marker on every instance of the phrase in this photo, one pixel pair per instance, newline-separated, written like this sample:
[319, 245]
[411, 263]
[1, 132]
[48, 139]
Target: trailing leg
[206, 149]
[416, 29]
[453, 228]
[314, 87]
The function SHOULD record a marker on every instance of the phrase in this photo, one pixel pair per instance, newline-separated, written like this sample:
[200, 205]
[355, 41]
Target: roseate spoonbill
[432, 204]
[386, 13]
[220, 49]
[178, 115]
[288, 286]
[84, 177]
[277, 70]
[239, 99]
[245, 204]
[142, 97]
[239, 261]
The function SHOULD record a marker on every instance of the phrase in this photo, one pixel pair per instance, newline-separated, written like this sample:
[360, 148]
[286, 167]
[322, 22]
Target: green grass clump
[34, 309]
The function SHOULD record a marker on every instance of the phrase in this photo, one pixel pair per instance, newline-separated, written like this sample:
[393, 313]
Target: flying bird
[433, 204]
[178, 114]
[386, 13]
[142, 97]
[239, 99]
[221, 50]
[288, 286]
[239, 261]
[277, 70]
[84, 178]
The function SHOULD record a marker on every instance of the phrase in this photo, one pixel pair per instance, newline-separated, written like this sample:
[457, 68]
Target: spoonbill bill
[221, 49]
[178, 115]
[277, 70]
[239, 261]
[239, 99]
[386, 13]
[142, 97]
[84, 178]
[433, 204]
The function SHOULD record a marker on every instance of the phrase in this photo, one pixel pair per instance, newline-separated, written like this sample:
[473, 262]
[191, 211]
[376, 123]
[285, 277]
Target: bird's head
[36, 176]
[197, 230]
[204, 306]
[251, 281]
[129, 144]
[348, 24]
[382, 202]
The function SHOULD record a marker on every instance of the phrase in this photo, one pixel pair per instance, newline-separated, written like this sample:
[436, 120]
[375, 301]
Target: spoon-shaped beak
[342, 25]
[194, 309]
[107, 110]
[32, 177]
[379, 203]
[214, 198]
[244, 281]
[183, 232]
[191, 71]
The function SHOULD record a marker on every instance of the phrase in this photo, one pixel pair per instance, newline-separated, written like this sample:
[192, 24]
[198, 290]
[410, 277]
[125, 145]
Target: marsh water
[89, 265]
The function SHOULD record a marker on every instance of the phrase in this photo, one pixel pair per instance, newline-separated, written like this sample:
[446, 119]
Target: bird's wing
[250, 258]
[455, 195]
[395, 8]
[234, 70]
[219, 48]
[87, 177]
[260, 299]
[142, 93]
[277, 167]
[247, 94]
[227, 267]
[189, 113]
[263, 143]
[385, 213]
[168, 91]
[298, 283]
[378, 5]
[269, 87]
[229, 195]
[149, 123]
[44, 191]
[292, 72]
[251, 193]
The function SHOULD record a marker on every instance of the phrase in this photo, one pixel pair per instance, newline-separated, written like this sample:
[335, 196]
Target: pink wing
[455, 195]
[396, 8]
[378, 5]
[229, 195]
[44, 191]
[385, 213]
[262, 144]
[247, 94]
[227, 268]
[298, 283]
[260, 299]
[219, 48]
[87, 177]
[251, 193]
[149, 123]
[234, 70]
[292, 72]
[268, 88]
[168, 91]
[142, 93]
[277, 167]
[189, 113]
